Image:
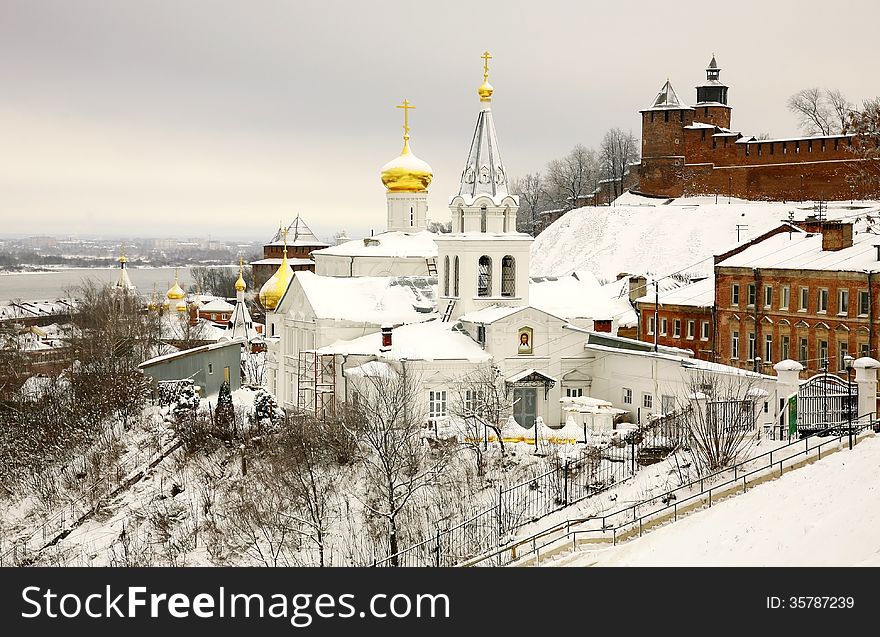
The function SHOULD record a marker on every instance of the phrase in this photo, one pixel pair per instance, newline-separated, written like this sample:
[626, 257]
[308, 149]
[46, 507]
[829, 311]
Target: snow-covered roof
[667, 99]
[577, 295]
[298, 234]
[376, 300]
[699, 125]
[803, 251]
[589, 405]
[188, 352]
[387, 244]
[277, 261]
[660, 236]
[515, 378]
[698, 294]
[432, 341]
[217, 305]
[488, 315]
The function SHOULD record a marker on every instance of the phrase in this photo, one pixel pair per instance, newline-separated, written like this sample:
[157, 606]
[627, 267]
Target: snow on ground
[659, 236]
[824, 514]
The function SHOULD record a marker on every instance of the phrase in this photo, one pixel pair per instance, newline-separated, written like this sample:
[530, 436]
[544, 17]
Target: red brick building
[691, 150]
[684, 318]
[807, 296]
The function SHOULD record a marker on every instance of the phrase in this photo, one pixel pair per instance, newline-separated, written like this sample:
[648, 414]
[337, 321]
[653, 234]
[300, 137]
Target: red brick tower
[711, 107]
[660, 172]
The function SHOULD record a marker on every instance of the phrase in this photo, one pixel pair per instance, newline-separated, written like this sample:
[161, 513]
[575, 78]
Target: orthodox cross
[486, 57]
[405, 106]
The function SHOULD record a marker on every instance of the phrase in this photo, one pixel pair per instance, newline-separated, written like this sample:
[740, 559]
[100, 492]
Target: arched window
[508, 276]
[455, 277]
[484, 276]
[446, 275]
[483, 221]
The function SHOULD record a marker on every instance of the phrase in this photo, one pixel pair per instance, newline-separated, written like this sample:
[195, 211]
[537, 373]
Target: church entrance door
[525, 406]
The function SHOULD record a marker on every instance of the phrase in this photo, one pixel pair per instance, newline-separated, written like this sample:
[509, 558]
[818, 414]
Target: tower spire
[406, 106]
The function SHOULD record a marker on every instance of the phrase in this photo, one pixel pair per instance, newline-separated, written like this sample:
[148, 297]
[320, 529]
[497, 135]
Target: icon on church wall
[525, 340]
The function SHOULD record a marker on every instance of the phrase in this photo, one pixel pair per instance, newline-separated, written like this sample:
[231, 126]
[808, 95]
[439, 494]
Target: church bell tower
[484, 260]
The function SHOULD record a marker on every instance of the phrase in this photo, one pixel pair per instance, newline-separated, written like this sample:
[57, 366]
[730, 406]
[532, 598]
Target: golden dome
[485, 91]
[240, 285]
[182, 306]
[276, 286]
[175, 292]
[407, 173]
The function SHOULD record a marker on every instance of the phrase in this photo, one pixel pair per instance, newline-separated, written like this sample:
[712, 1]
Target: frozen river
[42, 286]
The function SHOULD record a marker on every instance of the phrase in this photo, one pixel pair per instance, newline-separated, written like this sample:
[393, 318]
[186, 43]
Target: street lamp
[848, 363]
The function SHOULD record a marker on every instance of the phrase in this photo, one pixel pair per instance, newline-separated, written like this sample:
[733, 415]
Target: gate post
[866, 383]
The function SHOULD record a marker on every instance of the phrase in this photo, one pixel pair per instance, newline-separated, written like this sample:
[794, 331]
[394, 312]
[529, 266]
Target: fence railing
[567, 482]
[633, 520]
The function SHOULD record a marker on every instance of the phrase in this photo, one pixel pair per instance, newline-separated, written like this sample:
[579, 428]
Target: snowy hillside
[659, 236]
[825, 514]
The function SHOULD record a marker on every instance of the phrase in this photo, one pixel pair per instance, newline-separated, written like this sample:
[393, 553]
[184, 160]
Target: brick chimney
[386, 338]
[837, 235]
[638, 287]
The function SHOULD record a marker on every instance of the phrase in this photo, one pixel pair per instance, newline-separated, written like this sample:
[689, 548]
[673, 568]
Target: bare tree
[219, 281]
[573, 177]
[865, 124]
[396, 460]
[719, 417]
[481, 403]
[820, 111]
[532, 192]
[619, 149]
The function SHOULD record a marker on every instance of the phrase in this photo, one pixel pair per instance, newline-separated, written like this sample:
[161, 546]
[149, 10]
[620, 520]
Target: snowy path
[824, 514]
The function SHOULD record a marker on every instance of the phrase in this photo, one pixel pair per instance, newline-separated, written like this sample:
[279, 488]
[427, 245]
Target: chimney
[638, 287]
[386, 338]
[837, 235]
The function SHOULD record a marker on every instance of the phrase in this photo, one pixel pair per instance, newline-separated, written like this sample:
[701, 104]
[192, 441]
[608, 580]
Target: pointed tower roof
[713, 64]
[298, 234]
[122, 281]
[667, 100]
[484, 172]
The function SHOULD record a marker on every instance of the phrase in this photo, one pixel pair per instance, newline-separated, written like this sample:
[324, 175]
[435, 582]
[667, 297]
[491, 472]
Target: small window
[481, 334]
[768, 348]
[785, 344]
[803, 351]
[574, 392]
[823, 353]
[734, 345]
[676, 328]
[437, 403]
[210, 368]
[483, 219]
[864, 349]
[842, 353]
[768, 296]
[664, 324]
[647, 401]
[843, 302]
[412, 217]
[753, 294]
[484, 276]
[627, 396]
[805, 299]
[784, 297]
[864, 303]
[446, 275]
[704, 331]
[692, 328]
[651, 325]
[822, 306]
[455, 276]
[508, 276]
[734, 294]
[751, 355]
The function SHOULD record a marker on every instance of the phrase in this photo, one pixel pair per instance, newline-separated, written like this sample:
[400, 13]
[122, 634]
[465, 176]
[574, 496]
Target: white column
[866, 381]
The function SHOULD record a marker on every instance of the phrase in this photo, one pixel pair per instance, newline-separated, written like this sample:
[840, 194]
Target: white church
[445, 306]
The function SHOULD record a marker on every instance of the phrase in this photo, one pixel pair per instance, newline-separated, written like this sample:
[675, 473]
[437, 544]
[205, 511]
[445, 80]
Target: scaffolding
[316, 383]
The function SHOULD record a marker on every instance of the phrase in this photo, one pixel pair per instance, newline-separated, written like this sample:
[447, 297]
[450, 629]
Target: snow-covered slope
[659, 236]
[825, 514]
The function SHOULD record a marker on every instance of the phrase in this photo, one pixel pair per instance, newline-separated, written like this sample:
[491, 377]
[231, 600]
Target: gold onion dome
[175, 292]
[406, 172]
[240, 285]
[485, 91]
[276, 286]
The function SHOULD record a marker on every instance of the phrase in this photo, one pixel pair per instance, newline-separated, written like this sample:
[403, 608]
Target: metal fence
[567, 481]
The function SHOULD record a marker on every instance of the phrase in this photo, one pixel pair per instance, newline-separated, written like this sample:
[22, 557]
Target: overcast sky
[184, 117]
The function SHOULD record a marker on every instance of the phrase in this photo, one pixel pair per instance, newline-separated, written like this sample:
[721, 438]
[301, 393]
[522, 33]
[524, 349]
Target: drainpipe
[870, 315]
[344, 377]
[759, 300]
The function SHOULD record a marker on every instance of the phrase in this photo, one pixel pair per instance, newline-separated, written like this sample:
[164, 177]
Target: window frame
[437, 398]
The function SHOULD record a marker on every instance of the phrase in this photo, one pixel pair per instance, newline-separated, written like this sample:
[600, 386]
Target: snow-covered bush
[266, 409]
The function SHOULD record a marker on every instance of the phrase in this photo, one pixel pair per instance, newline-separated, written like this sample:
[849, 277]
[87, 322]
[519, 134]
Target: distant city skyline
[221, 118]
